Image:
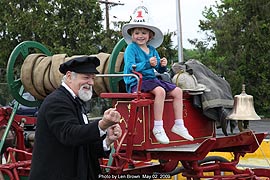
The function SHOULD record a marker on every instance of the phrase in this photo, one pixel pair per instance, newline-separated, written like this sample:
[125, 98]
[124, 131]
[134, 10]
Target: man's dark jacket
[65, 147]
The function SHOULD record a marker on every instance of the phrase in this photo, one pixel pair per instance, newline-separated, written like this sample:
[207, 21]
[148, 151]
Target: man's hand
[110, 117]
[113, 133]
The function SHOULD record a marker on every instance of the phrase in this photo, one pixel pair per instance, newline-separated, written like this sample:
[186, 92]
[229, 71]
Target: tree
[108, 39]
[240, 31]
[167, 50]
[63, 26]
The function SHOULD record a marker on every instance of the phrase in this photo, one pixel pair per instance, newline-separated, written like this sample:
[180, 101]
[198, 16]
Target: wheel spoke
[23, 49]
[15, 85]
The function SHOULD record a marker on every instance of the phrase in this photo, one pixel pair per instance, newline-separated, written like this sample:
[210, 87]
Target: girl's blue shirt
[134, 55]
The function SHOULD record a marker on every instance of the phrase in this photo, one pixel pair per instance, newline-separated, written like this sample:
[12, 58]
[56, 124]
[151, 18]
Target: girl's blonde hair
[151, 33]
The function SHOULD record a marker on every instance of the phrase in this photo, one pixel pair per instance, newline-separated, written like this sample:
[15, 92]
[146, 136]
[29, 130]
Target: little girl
[142, 39]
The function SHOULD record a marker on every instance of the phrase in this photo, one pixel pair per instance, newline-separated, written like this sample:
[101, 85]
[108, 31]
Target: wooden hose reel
[21, 51]
[39, 74]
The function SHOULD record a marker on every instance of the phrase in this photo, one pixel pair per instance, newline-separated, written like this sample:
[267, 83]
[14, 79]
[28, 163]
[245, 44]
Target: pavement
[262, 125]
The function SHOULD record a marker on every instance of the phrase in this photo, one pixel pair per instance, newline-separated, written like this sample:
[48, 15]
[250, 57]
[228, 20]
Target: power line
[107, 3]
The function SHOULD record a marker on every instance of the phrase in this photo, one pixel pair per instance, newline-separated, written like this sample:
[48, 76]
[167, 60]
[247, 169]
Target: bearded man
[68, 146]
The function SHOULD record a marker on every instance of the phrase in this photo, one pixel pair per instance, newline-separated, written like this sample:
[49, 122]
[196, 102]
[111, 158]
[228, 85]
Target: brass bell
[243, 108]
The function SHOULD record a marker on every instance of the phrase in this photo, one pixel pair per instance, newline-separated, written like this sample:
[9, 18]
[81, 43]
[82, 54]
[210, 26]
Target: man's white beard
[85, 95]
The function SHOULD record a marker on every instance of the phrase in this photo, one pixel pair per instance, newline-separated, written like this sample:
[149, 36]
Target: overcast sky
[164, 14]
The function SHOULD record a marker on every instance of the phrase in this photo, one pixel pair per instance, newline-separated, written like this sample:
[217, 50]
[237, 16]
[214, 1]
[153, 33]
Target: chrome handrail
[120, 75]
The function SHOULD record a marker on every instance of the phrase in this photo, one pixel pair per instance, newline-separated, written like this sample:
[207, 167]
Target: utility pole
[179, 32]
[107, 10]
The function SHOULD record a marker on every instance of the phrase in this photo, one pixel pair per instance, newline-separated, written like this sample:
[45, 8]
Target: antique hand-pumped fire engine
[137, 154]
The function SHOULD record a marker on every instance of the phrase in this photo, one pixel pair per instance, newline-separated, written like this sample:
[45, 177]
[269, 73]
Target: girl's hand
[153, 61]
[163, 62]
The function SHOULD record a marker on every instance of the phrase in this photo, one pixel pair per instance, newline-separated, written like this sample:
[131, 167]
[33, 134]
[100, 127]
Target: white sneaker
[161, 136]
[182, 131]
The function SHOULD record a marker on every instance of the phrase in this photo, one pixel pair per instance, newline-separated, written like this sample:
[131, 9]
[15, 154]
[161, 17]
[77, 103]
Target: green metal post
[110, 158]
[11, 118]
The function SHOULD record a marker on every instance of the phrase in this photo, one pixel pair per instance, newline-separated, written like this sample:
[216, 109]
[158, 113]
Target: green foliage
[107, 40]
[240, 32]
[63, 26]
[167, 50]
[5, 97]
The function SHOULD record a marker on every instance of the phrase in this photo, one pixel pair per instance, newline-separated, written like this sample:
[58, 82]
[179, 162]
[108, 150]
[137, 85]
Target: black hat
[83, 64]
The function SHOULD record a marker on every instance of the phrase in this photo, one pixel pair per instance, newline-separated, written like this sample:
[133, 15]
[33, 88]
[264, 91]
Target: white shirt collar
[69, 90]
[85, 119]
